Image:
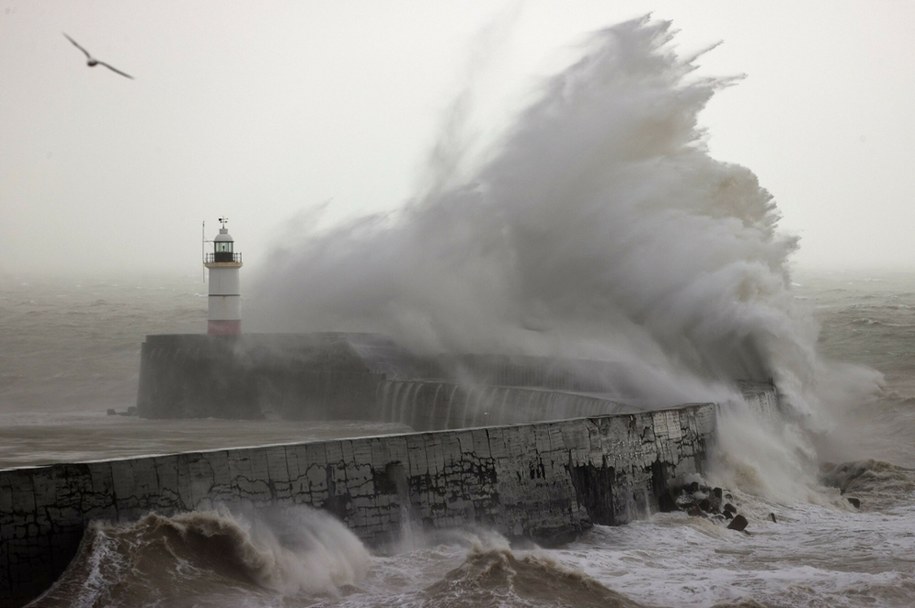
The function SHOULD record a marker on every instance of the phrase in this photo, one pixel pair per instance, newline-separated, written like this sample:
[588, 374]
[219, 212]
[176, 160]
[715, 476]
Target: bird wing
[76, 44]
[114, 69]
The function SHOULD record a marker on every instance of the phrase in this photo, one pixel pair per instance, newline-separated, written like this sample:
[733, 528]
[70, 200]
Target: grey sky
[260, 111]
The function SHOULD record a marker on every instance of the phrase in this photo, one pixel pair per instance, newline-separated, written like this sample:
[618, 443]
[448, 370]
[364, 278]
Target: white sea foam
[597, 226]
[812, 553]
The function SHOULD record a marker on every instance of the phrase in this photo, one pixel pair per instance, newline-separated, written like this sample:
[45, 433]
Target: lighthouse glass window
[223, 252]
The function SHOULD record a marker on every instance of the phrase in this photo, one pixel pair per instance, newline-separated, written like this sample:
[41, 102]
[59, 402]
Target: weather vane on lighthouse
[224, 301]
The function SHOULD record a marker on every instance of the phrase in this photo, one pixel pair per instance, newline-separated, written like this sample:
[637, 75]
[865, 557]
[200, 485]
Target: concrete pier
[545, 481]
[338, 375]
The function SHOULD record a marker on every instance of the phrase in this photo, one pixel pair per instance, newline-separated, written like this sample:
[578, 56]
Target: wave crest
[289, 551]
[499, 577]
[878, 484]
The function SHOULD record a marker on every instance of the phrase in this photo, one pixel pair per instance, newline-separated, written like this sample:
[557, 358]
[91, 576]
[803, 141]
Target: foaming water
[812, 555]
[475, 567]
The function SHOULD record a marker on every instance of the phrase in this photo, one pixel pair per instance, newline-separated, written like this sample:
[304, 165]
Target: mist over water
[597, 226]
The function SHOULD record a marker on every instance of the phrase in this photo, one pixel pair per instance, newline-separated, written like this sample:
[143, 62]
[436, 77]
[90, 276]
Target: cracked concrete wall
[546, 481]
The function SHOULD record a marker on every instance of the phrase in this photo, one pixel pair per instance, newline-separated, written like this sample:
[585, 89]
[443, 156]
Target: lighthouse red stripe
[224, 328]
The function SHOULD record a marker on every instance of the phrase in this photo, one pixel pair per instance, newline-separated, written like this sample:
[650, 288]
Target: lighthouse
[224, 302]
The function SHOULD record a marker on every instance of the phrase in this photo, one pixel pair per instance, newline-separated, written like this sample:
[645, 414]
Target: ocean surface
[70, 351]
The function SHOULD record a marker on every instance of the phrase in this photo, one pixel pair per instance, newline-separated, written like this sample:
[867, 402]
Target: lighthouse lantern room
[224, 302]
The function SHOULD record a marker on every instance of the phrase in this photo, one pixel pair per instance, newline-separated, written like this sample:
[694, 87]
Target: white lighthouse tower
[224, 317]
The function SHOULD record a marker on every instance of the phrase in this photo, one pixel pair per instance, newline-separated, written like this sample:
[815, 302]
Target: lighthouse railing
[222, 256]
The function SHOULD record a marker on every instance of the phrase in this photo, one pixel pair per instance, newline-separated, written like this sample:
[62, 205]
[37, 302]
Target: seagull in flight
[92, 61]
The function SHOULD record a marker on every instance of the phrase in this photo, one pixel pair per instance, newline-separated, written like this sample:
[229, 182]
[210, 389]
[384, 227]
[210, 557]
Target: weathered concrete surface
[546, 481]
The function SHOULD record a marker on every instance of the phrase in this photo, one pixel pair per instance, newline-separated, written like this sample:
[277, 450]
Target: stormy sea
[596, 226]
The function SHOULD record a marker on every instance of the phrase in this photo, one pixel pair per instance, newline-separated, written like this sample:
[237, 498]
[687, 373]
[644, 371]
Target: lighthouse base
[224, 327]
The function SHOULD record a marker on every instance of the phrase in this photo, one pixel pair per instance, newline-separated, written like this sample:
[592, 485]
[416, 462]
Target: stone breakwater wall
[545, 481]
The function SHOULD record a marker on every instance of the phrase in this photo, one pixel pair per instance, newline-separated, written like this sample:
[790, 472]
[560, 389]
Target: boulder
[667, 502]
[739, 523]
